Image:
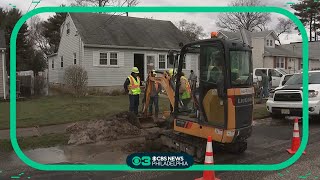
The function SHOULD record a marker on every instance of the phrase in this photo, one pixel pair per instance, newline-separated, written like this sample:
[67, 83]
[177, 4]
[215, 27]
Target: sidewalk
[36, 131]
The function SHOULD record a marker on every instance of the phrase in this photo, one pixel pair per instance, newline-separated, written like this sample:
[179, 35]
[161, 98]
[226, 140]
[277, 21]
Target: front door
[139, 63]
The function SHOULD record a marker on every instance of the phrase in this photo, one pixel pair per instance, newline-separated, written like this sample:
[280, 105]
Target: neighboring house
[3, 73]
[267, 54]
[314, 52]
[109, 46]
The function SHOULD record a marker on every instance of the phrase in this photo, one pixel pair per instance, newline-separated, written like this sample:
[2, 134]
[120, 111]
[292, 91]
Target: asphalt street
[267, 145]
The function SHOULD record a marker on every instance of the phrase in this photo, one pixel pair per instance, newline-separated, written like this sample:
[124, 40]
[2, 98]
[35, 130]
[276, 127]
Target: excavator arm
[164, 80]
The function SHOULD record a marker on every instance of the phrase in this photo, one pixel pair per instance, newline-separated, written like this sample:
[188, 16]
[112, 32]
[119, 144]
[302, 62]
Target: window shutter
[96, 58]
[286, 63]
[274, 62]
[299, 64]
[121, 59]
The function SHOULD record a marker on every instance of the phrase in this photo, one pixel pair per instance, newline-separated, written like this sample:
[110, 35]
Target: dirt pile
[121, 125]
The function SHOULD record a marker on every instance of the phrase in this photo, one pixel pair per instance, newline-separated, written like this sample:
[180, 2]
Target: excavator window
[241, 71]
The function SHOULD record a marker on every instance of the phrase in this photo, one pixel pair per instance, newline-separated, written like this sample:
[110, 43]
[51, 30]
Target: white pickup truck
[276, 75]
[287, 100]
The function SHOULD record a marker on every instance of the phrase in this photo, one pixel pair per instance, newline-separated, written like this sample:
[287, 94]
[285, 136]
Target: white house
[108, 46]
[4, 89]
[267, 54]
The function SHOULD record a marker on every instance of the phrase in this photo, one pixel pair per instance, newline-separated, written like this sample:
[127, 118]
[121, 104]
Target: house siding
[1, 76]
[101, 76]
[69, 44]
[53, 73]
[268, 62]
[257, 52]
[269, 37]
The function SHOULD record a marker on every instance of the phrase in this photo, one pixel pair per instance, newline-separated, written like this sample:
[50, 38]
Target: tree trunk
[314, 28]
[310, 28]
[100, 3]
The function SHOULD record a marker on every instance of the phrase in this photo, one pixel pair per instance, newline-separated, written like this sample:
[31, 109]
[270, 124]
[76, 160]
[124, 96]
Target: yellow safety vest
[187, 93]
[134, 86]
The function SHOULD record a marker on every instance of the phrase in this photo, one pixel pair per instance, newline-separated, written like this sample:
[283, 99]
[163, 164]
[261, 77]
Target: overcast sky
[206, 20]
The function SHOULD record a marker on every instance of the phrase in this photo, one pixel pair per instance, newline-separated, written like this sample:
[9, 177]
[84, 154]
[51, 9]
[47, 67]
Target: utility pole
[127, 13]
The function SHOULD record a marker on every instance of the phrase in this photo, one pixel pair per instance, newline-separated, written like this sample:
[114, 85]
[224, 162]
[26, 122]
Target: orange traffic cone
[208, 175]
[295, 139]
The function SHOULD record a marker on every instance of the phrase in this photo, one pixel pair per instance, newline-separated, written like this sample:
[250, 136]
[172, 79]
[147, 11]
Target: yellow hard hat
[135, 70]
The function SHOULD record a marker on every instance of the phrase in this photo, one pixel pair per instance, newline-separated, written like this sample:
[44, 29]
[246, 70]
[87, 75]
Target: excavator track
[179, 142]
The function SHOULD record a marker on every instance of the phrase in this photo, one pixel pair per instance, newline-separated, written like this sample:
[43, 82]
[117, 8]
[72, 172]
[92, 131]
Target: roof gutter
[126, 47]
[51, 55]
[4, 83]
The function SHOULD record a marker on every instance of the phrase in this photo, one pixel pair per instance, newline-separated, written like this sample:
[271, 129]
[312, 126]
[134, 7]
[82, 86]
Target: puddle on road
[88, 154]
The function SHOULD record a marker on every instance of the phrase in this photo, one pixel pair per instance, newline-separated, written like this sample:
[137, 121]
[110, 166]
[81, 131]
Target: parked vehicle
[287, 100]
[276, 75]
[285, 79]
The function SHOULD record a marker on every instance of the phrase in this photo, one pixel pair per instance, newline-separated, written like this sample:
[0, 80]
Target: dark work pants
[154, 100]
[134, 103]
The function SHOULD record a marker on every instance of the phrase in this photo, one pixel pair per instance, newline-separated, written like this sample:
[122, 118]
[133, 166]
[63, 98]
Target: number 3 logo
[146, 161]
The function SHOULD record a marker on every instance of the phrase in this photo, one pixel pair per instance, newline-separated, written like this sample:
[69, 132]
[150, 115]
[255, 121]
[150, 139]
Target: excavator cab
[222, 102]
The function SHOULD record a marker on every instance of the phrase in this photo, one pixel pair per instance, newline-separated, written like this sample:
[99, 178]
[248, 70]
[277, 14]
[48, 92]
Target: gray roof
[113, 30]
[280, 51]
[2, 39]
[314, 47]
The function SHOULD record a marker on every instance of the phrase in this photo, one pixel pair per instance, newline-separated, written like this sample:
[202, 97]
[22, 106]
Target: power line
[30, 6]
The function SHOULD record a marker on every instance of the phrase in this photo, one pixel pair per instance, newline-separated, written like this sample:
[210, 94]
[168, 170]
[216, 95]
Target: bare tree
[103, 3]
[251, 21]
[191, 30]
[36, 35]
[284, 26]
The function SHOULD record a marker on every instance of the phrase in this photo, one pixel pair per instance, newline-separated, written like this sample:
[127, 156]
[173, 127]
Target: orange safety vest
[134, 86]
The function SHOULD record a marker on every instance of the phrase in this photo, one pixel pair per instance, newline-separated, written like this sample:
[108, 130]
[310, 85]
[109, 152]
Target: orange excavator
[223, 101]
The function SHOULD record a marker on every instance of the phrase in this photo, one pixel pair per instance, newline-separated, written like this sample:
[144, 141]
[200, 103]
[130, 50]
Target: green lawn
[36, 142]
[260, 112]
[64, 109]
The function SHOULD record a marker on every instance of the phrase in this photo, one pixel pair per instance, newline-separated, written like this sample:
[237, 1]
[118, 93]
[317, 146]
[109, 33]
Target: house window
[162, 61]
[113, 58]
[103, 58]
[68, 28]
[271, 43]
[52, 65]
[74, 58]
[62, 61]
[280, 62]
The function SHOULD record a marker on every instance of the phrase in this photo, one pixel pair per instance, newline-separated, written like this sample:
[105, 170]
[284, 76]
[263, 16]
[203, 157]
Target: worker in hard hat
[154, 96]
[132, 87]
[185, 91]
